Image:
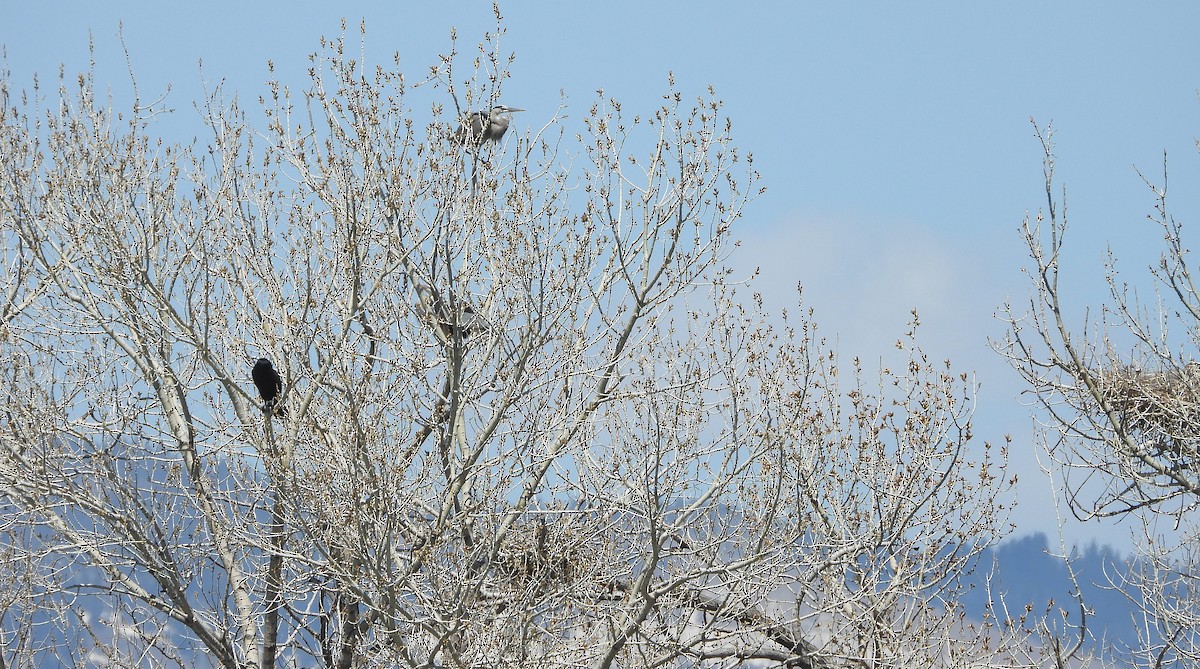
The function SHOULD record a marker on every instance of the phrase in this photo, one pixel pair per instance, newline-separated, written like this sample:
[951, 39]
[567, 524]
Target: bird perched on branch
[269, 385]
[484, 126]
[457, 321]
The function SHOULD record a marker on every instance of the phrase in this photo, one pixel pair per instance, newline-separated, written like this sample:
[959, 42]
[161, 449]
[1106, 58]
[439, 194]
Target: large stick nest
[541, 556]
[1161, 409]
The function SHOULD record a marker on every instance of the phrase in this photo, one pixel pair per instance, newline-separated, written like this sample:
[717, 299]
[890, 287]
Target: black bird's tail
[274, 407]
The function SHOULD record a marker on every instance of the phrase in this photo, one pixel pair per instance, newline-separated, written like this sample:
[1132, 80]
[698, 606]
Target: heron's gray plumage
[485, 126]
[459, 322]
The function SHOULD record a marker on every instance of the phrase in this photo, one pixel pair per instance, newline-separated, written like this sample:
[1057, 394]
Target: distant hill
[1026, 573]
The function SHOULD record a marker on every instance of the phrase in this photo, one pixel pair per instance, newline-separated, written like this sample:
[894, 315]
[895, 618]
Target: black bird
[269, 385]
[485, 126]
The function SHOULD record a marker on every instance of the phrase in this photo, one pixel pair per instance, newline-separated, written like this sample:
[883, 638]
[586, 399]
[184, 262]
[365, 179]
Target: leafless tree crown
[528, 421]
[1118, 389]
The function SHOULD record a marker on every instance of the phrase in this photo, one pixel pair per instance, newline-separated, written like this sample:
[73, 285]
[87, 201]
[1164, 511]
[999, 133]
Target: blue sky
[894, 138]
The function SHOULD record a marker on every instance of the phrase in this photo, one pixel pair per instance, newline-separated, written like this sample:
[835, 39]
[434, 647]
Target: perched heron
[269, 385]
[447, 323]
[485, 126]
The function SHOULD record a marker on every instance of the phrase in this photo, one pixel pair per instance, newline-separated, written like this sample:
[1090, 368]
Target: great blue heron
[269, 385]
[458, 323]
[485, 126]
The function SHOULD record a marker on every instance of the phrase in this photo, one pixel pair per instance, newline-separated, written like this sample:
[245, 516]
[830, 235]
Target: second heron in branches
[485, 126]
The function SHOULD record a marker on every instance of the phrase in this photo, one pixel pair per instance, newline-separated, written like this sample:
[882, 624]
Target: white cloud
[865, 274]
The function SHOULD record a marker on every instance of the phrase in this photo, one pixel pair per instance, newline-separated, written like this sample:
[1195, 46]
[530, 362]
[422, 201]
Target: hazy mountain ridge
[1027, 573]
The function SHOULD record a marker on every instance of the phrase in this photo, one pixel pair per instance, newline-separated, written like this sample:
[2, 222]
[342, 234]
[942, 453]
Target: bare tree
[1119, 397]
[525, 420]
